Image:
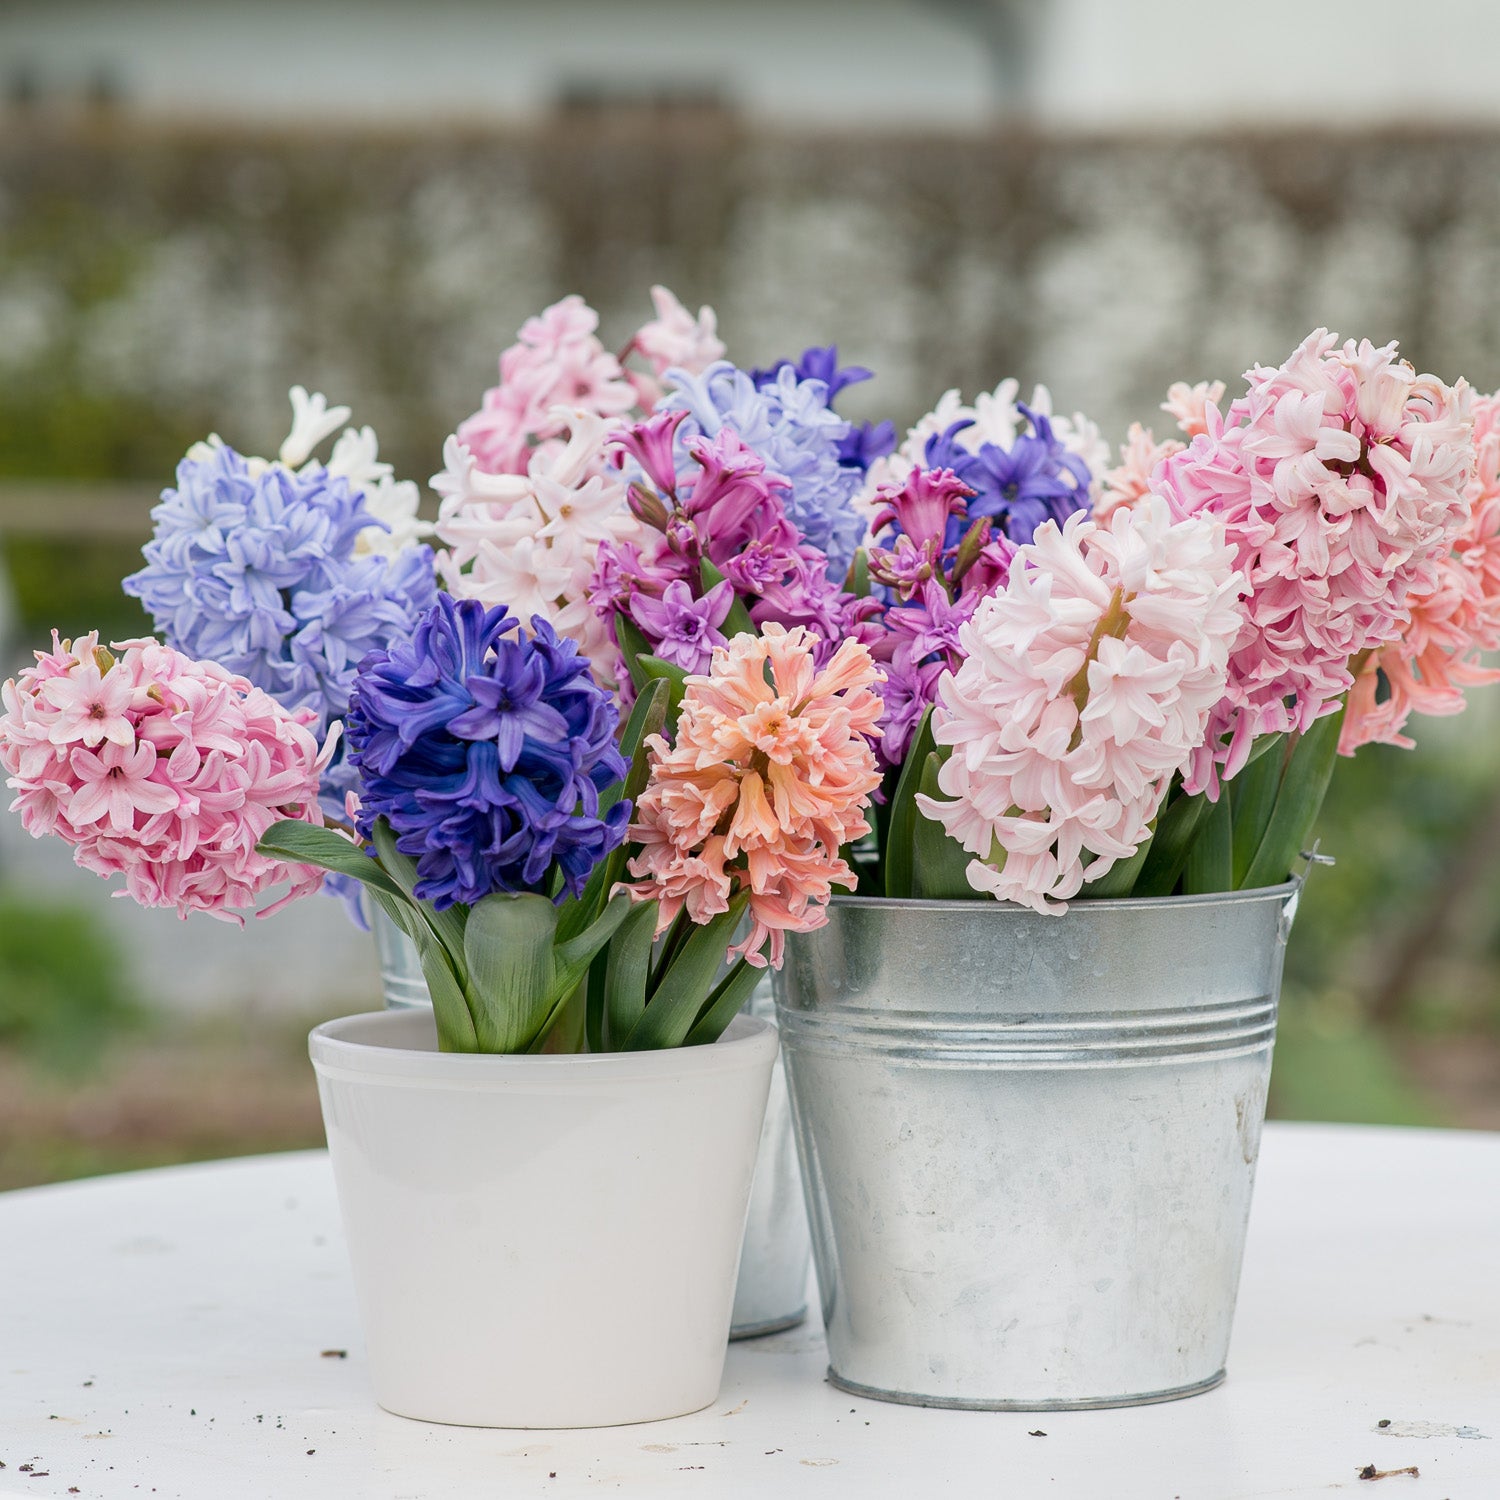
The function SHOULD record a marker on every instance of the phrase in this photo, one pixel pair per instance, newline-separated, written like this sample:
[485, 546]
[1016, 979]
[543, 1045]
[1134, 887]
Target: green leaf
[572, 960]
[1210, 861]
[562, 1031]
[939, 863]
[402, 868]
[653, 668]
[1120, 878]
[737, 621]
[1304, 784]
[1176, 829]
[858, 581]
[681, 994]
[1254, 799]
[647, 717]
[450, 1007]
[593, 1025]
[304, 844]
[726, 1002]
[576, 954]
[633, 646]
[513, 979]
[627, 973]
[903, 811]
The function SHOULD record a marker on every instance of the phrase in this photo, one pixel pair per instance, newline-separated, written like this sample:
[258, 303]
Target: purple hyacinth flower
[486, 749]
[815, 364]
[684, 630]
[1036, 479]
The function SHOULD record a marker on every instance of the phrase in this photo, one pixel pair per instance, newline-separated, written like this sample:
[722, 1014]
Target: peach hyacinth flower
[770, 774]
[1140, 453]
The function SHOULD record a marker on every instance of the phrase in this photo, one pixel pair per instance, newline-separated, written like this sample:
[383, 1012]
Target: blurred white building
[938, 64]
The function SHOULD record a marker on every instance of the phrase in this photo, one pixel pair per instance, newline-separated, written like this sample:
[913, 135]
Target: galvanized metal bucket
[1029, 1141]
[401, 980]
[771, 1293]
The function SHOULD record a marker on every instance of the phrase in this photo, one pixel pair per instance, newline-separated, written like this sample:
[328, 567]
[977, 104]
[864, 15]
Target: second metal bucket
[1029, 1141]
[771, 1293]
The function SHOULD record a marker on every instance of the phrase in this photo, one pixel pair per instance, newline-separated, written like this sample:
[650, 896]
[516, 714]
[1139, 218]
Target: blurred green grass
[65, 994]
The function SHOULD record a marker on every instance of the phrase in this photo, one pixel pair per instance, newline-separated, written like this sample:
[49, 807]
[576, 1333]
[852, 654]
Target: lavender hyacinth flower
[256, 568]
[864, 442]
[486, 749]
[1036, 479]
[684, 630]
[788, 423]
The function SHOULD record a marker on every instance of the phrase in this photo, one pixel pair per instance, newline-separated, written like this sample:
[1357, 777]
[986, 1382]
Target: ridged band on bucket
[1029, 1141]
[1047, 1041]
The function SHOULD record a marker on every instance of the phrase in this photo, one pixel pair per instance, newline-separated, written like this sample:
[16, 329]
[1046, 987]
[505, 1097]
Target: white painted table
[164, 1333]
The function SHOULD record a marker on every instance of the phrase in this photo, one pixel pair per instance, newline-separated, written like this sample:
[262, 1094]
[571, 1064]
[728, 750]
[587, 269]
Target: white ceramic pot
[541, 1241]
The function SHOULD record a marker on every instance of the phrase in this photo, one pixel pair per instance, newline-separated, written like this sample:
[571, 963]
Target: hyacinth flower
[995, 420]
[1035, 478]
[1343, 479]
[556, 365]
[936, 560]
[739, 827]
[865, 444]
[1086, 685]
[1141, 452]
[673, 339]
[287, 571]
[788, 423]
[531, 540]
[1427, 668]
[164, 770]
[720, 555]
[492, 813]
[559, 366]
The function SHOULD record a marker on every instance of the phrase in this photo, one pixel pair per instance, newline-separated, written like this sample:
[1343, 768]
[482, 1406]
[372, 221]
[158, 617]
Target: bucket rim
[1267, 893]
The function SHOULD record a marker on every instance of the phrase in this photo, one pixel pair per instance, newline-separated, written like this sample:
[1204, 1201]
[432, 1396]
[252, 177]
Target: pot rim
[1089, 903]
[749, 1042]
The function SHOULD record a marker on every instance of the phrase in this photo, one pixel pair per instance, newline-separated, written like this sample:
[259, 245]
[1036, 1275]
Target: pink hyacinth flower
[1342, 478]
[162, 769]
[1437, 656]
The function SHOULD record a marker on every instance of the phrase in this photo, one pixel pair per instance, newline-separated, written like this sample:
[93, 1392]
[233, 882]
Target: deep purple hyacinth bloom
[1036, 479]
[257, 571]
[815, 364]
[486, 749]
[866, 443]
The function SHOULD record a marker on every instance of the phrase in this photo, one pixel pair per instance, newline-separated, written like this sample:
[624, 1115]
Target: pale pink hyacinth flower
[1087, 683]
[1436, 657]
[162, 769]
[769, 776]
[556, 365]
[673, 339]
[531, 541]
[1342, 478]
